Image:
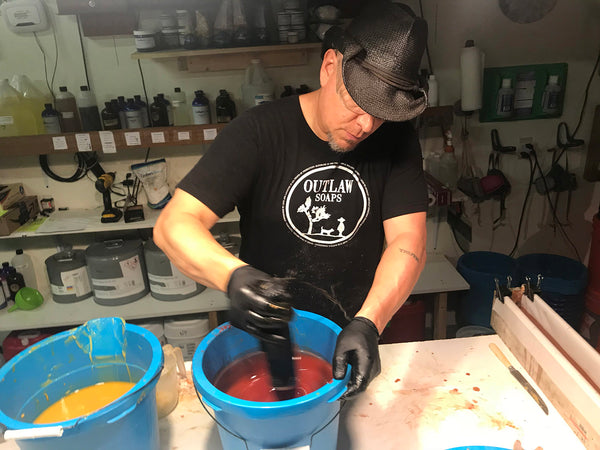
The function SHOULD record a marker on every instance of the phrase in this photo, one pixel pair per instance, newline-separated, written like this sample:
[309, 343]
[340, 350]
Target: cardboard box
[9, 194]
[21, 212]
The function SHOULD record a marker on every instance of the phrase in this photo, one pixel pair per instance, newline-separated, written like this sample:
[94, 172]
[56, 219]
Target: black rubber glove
[357, 345]
[259, 304]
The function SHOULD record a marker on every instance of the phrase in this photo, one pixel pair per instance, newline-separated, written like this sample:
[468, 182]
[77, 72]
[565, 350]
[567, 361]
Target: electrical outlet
[523, 141]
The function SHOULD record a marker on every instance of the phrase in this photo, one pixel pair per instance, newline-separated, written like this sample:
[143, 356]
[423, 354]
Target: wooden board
[568, 390]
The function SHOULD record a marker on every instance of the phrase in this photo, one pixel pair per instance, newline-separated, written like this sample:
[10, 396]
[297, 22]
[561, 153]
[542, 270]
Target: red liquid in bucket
[249, 378]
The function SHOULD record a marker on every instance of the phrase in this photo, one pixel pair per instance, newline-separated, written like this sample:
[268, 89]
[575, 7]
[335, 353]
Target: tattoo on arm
[409, 253]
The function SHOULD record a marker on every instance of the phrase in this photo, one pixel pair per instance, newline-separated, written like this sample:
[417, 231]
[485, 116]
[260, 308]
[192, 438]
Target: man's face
[346, 123]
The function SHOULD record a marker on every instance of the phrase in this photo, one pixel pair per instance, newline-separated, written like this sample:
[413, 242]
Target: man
[320, 181]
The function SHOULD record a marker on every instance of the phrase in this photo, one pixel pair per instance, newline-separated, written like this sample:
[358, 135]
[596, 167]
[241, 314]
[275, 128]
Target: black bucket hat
[382, 50]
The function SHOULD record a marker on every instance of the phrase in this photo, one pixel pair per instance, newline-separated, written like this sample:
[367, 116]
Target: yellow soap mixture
[84, 401]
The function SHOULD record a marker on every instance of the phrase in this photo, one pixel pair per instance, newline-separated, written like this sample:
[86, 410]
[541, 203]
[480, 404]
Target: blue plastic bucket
[480, 269]
[562, 284]
[101, 350]
[310, 420]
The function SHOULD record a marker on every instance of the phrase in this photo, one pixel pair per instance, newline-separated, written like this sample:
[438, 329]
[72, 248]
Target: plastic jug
[257, 87]
[66, 105]
[88, 110]
[34, 100]
[14, 115]
[167, 389]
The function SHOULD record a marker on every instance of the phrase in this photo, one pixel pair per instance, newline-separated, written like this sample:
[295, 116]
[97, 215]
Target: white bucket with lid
[186, 333]
[156, 327]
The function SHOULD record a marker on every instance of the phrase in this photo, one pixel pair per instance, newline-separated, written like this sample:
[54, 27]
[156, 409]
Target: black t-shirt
[307, 212]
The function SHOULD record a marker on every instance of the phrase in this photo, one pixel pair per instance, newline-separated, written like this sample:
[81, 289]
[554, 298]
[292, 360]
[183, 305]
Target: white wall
[570, 33]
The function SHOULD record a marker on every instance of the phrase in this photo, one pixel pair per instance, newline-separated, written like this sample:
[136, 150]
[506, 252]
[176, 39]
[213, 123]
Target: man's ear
[328, 67]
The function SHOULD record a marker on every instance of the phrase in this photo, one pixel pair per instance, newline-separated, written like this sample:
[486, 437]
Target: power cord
[587, 89]
[552, 208]
[80, 171]
[85, 68]
[531, 175]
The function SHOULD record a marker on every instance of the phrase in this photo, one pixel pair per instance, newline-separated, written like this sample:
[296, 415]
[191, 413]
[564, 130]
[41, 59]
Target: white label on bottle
[75, 282]
[131, 283]
[133, 138]
[59, 143]
[68, 114]
[210, 134]
[183, 135]
[201, 115]
[158, 137]
[145, 42]
[177, 283]
[263, 98]
[84, 142]
[6, 120]
[107, 140]
[51, 125]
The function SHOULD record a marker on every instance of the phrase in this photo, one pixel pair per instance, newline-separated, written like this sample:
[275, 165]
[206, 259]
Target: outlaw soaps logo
[326, 204]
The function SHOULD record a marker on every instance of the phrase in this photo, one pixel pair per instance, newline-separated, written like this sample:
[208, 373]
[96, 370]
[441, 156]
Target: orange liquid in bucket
[83, 401]
[249, 378]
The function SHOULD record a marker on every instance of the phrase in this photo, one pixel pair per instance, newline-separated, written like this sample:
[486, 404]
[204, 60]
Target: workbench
[430, 395]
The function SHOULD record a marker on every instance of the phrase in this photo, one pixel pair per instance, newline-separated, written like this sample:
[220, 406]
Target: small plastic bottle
[133, 115]
[167, 104]
[15, 282]
[200, 109]
[143, 110]
[110, 118]
[225, 107]
[432, 94]
[159, 115]
[449, 164]
[506, 97]
[551, 96]
[181, 114]
[23, 264]
[51, 119]
[66, 105]
[257, 87]
[88, 110]
[4, 272]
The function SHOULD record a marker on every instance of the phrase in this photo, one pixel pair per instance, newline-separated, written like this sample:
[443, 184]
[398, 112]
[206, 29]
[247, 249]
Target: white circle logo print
[326, 204]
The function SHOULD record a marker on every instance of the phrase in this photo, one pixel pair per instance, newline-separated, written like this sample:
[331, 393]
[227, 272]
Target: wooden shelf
[216, 59]
[78, 221]
[131, 139]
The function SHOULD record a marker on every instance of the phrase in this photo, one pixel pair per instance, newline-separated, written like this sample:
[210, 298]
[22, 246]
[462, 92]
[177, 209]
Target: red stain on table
[476, 389]
[468, 374]
[396, 380]
[454, 391]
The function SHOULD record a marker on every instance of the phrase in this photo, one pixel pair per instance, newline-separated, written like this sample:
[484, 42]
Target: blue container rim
[329, 392]
[153, 371]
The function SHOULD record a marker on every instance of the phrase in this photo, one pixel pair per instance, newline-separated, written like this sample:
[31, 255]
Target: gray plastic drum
[69, 280]
[117, 271]
[166, 281]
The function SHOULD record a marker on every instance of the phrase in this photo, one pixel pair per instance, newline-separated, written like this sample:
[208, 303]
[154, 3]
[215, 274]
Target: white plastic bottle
[23, 263]
[33, 98]
[257, 87]
[449, 164]
[432, 94]
[551, 96]
[506, 97]
[181, 114]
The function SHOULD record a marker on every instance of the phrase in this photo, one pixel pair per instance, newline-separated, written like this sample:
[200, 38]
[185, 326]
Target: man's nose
[366, 122]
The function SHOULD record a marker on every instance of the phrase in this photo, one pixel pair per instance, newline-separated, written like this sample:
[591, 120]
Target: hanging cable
[552, 208]
[87, 78]
[531, 174]
[585, 97]
[145, 92]
[80, 171]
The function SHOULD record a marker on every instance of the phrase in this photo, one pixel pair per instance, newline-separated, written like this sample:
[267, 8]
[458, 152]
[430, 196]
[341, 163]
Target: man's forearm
[396, 275]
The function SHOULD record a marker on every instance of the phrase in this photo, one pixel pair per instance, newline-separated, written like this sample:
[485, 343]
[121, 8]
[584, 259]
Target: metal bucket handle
[216, 408]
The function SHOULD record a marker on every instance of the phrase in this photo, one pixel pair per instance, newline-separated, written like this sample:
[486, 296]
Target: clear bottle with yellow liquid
[15, 118]
[34, 100]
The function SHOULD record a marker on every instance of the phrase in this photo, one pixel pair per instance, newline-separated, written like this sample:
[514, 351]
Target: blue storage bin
[563, 283]
[480, 269]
